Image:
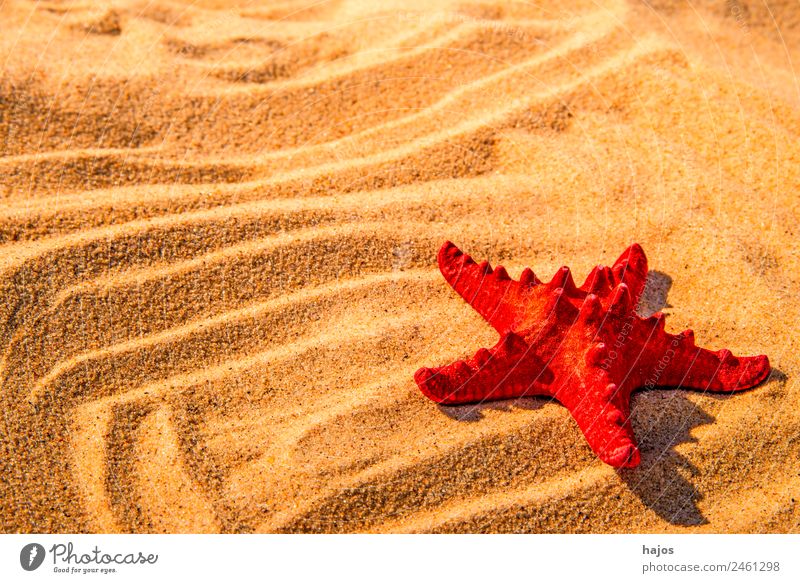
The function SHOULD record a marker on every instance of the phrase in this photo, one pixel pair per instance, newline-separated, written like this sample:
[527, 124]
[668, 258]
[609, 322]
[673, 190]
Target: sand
[218, 227]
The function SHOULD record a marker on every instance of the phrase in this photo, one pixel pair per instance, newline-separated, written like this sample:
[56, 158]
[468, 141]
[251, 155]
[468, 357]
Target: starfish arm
[631, 269]
[508, 370]
[601, 409]
[491, 293]
[675, 361]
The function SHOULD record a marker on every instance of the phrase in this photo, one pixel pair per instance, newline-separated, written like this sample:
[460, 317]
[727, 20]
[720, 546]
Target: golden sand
[218, 226]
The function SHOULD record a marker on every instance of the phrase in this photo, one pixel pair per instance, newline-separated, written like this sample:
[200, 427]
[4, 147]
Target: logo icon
[31, 556]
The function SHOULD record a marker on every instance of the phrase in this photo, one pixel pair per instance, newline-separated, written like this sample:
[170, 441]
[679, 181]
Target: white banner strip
[373, 558]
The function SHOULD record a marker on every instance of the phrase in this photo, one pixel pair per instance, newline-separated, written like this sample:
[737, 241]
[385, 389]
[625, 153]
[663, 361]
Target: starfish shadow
[654, 296]
[662, 479]
[776, 375]
[474, 412]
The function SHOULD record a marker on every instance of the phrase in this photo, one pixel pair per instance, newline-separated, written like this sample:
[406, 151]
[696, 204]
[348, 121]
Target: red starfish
[584, 346]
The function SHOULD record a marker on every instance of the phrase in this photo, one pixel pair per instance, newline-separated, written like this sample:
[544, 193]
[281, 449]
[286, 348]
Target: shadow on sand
[662, 479]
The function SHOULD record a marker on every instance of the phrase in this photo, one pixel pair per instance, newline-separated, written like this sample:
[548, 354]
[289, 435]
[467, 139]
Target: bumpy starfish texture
[584, 346]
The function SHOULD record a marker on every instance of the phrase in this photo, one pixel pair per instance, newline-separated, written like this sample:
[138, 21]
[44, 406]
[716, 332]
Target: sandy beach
[218, 234]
